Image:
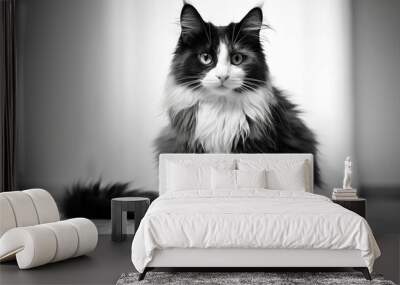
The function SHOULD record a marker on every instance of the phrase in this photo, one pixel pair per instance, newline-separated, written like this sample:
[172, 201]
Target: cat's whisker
[234, 42]
[188, 79]
[249, 87]
[209, 31]
[194, 80]
[192, 83]
[253, 80]
[233, 32]
[245, 89]
[260, 37]
[191, 76]
[240, 39]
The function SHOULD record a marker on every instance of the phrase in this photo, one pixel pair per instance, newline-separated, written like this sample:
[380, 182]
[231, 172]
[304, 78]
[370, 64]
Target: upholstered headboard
[165, 158]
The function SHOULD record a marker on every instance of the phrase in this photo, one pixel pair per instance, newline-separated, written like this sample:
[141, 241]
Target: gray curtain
[8, 72]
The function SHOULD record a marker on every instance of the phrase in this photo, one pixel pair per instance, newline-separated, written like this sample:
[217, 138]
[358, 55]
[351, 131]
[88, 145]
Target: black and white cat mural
[219, 96]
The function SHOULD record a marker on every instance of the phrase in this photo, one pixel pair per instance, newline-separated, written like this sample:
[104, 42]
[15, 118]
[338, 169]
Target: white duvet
[252, 218]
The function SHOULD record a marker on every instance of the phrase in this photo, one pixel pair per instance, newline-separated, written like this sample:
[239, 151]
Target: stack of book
[344, 194]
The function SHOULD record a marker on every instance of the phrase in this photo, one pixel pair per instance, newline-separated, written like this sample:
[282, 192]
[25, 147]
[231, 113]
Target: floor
[110, 260]
[103, 266]
[389, 262]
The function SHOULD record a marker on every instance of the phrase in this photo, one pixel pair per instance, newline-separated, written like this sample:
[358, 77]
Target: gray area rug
[273, 278]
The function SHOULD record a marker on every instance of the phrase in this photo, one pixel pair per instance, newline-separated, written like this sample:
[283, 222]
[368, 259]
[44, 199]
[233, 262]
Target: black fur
[93, 200]
[284, 133]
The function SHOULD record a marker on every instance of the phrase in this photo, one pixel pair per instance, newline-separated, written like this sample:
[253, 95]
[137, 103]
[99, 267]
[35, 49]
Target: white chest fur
[222, 123]
[220, 126]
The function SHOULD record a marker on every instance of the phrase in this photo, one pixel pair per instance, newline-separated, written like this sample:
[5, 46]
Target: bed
[245, 211]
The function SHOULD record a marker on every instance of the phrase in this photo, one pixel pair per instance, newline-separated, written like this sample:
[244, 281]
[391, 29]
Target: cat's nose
[222, 78]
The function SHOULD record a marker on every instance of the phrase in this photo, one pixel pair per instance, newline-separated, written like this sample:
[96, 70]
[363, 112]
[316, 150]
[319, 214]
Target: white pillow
[281, 174]
[193, 174]
[251, 178]
[223, 179]
[181, 177]
[237, 179]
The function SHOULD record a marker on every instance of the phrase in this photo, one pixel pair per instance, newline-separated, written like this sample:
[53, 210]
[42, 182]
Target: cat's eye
[237, 58]
[205, 58]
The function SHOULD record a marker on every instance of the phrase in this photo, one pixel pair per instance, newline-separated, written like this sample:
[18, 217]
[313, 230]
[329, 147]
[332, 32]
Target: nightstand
[358, 205]
[119, 209]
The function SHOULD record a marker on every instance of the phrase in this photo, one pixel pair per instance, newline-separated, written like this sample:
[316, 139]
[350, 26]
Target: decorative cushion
[223, 179]
[281, 174]
[226, 179]
[251, 178]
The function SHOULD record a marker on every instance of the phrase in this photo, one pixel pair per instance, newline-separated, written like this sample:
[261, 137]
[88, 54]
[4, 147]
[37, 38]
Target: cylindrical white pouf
[52, 242]
[33, 246]
[67, 240]
[46, 207]
[87, 233]
[23, 208]
[7, 218]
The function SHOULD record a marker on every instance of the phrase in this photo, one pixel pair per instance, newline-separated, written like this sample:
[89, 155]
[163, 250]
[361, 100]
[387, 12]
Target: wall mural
[219, 98]
[90, 114]
[219, 95]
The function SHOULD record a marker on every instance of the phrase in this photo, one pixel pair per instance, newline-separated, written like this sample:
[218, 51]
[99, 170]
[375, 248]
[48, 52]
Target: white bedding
[251, 218]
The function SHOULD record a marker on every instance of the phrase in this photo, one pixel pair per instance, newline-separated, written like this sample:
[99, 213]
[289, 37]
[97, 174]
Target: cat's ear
[252, 21]
[191, 22]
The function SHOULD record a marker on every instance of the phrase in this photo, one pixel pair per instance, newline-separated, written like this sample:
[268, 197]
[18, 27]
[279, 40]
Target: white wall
[92, 75]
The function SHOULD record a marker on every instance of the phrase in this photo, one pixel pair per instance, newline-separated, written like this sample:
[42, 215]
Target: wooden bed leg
[142, 275]
[364, 271]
